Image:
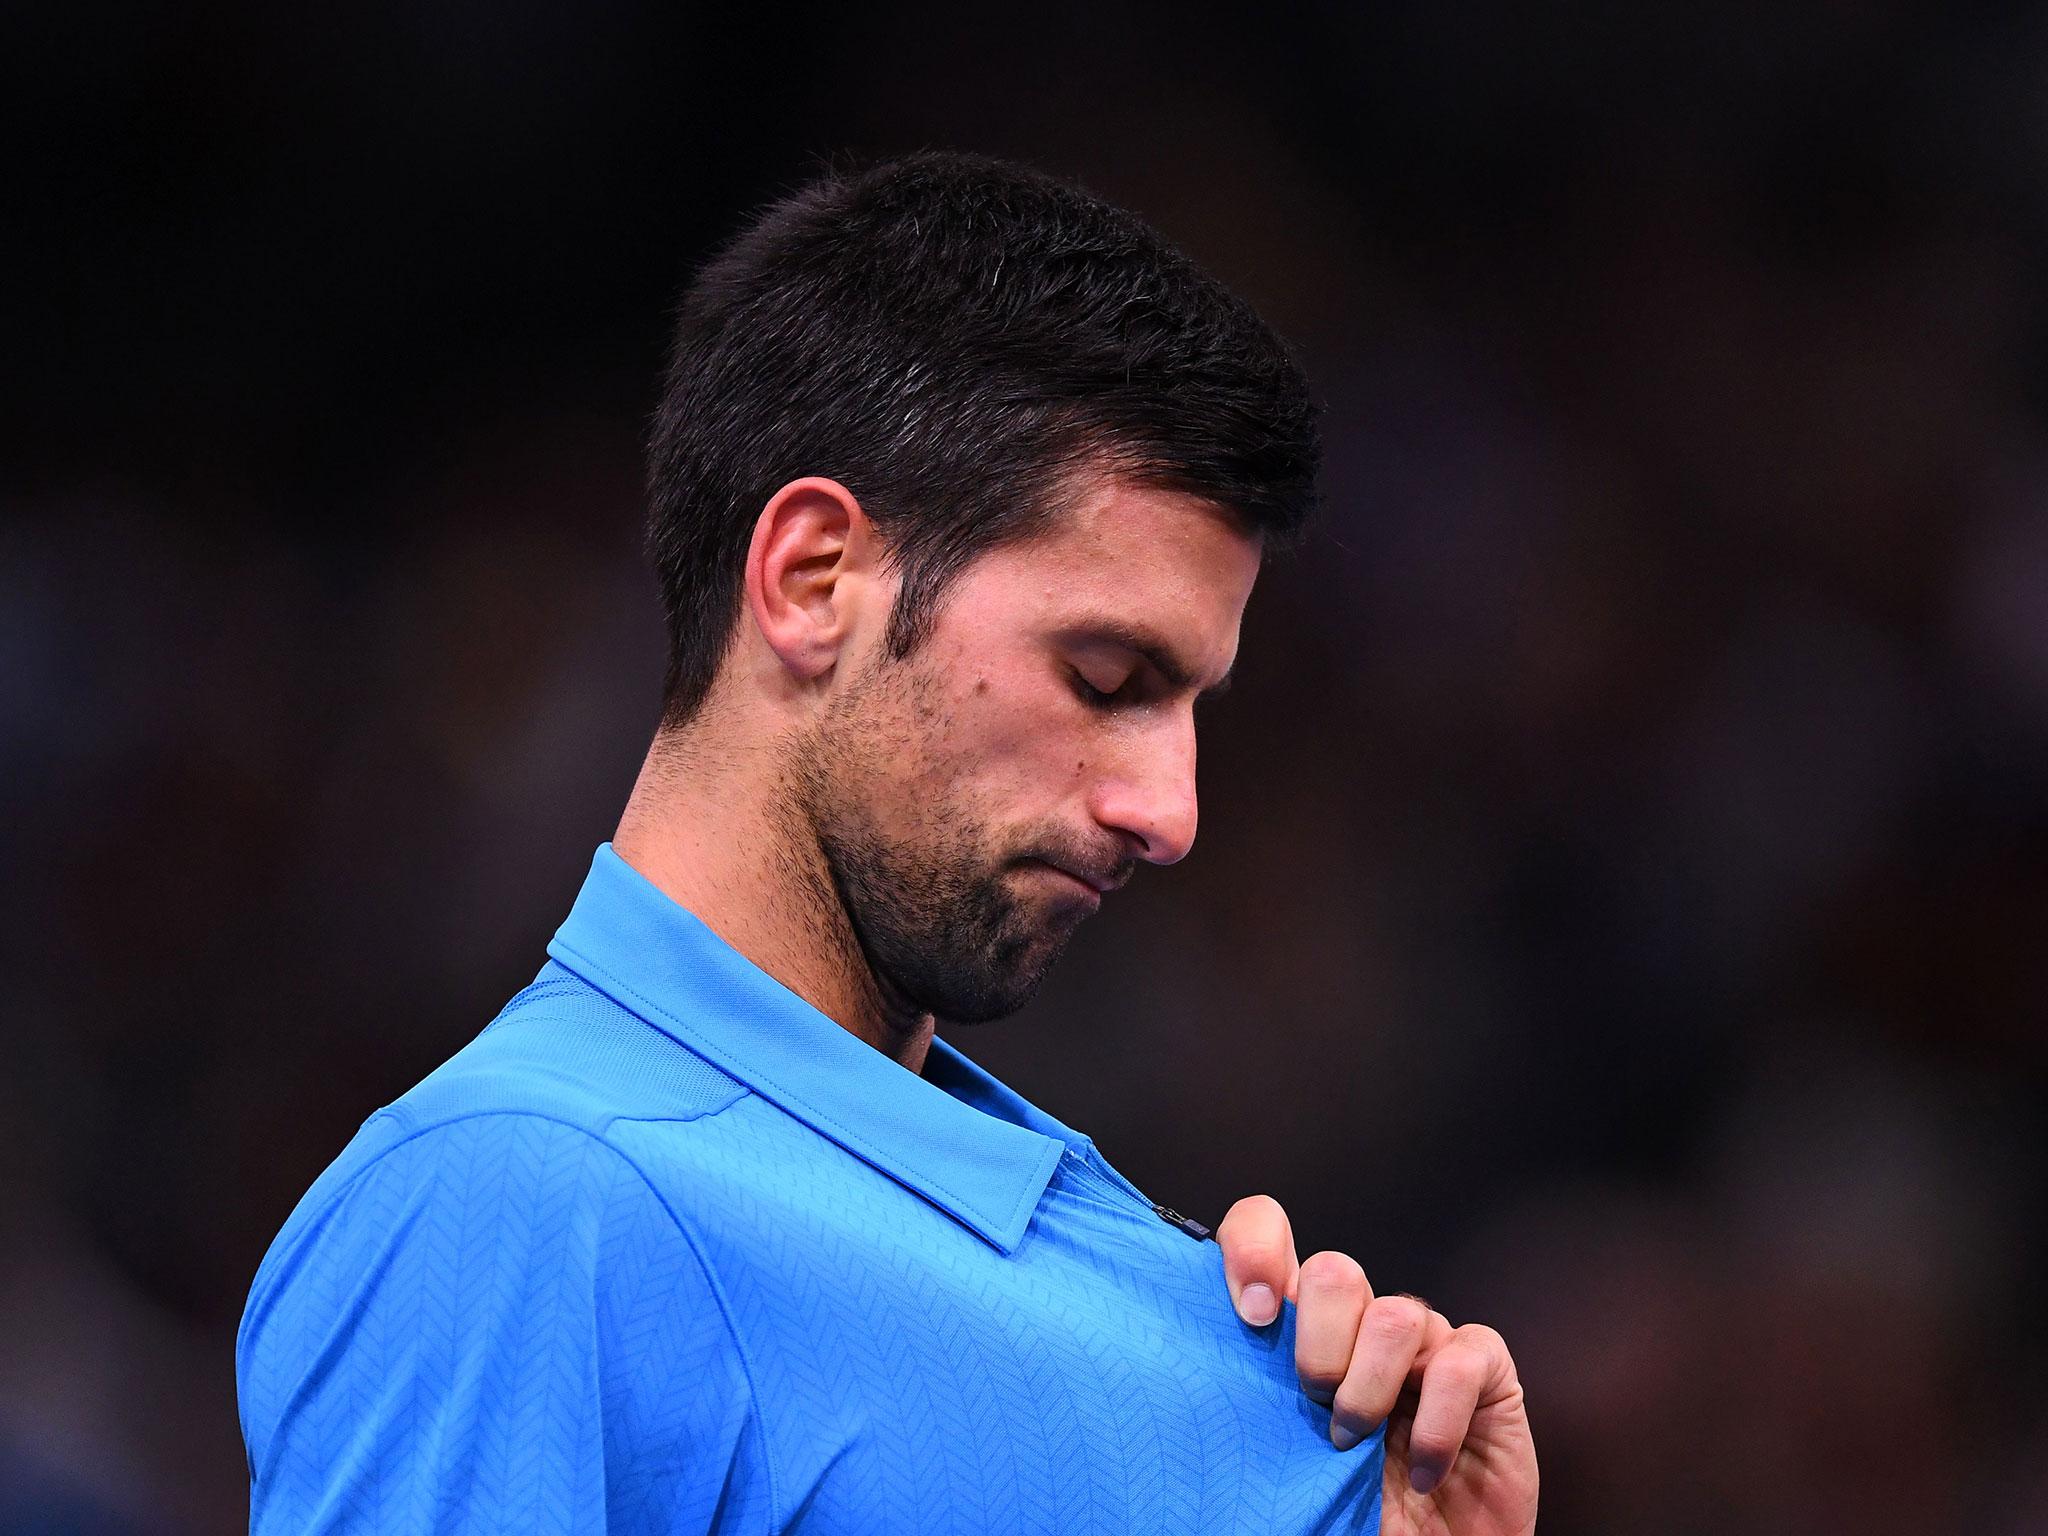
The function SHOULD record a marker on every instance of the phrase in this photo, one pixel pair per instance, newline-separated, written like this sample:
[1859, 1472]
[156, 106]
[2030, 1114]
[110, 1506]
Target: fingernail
[1422, 1479]
[1258, 1305]
[1344, 1437]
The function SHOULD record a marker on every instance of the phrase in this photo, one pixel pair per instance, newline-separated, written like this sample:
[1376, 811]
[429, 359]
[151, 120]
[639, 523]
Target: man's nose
[1151, 795]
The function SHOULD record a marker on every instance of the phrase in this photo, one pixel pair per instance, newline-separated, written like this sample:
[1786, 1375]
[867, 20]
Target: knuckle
[1397, 1319]
[1254, 1234]
[1332, 1272]
[1482, 1338]
[1460, 1367]
[1262, 1256]
[1255, 1208]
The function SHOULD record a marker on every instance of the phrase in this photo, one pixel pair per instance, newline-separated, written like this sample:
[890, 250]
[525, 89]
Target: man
[960, 484]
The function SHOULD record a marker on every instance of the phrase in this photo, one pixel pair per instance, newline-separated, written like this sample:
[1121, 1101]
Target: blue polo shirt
[665, 1249]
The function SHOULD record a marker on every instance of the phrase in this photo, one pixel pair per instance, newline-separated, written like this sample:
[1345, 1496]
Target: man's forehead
[1098, 505]
[1114, 537]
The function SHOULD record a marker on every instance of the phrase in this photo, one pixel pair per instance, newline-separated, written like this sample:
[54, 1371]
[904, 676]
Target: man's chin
[997, 996]
[978, 971]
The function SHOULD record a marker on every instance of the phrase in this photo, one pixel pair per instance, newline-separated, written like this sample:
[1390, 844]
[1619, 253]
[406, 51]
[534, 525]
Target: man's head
[945, 445]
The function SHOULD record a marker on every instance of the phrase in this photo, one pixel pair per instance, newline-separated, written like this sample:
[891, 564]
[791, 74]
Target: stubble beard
[926, 900]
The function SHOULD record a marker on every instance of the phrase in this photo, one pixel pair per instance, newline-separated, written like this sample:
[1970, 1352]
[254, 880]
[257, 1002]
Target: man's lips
[1097, 885]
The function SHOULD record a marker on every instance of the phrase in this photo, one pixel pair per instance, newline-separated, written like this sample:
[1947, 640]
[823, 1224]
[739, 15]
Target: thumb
[1258, 1257]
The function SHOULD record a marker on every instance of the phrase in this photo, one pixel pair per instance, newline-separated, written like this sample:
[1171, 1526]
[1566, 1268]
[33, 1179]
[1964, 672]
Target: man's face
[975, 800]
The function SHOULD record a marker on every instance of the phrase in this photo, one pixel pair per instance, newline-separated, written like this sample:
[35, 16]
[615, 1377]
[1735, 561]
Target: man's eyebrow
[1154, 648]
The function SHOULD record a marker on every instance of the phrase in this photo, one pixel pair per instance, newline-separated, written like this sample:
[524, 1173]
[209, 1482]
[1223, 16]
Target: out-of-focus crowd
[1621, 909]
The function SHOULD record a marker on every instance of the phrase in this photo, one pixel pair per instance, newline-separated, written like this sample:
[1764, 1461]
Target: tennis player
[959, 486]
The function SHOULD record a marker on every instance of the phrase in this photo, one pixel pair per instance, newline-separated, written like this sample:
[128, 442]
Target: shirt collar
[956, 1136]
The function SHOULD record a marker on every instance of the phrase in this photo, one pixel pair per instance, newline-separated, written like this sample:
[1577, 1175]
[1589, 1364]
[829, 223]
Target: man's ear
[810, 574]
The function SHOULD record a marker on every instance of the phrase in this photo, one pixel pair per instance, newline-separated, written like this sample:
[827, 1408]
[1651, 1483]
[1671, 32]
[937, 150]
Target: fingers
[1258, 1257]
[1393, 1332]
[1332, 1297]
[1359, 1353]
[1455, 1375]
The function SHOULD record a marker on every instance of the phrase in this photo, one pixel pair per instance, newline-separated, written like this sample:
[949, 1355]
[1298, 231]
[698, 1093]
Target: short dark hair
[951, 337]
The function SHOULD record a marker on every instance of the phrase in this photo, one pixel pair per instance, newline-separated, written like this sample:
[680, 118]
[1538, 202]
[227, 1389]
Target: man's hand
[1460, 1459]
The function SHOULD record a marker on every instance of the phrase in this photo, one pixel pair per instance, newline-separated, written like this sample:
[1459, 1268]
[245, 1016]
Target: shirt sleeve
[496, 1325]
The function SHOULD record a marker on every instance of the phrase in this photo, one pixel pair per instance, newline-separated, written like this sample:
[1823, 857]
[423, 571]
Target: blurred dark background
[1621, 913]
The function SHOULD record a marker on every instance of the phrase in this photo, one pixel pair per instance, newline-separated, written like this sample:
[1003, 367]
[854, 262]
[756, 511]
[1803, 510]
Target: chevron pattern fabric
[584, 1279]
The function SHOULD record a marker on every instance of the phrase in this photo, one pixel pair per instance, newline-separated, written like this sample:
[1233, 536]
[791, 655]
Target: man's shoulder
[562, 1050]
[480, 1245]
[532, 1105]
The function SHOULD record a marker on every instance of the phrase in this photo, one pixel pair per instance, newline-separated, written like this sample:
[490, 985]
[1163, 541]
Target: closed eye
[1092, 696]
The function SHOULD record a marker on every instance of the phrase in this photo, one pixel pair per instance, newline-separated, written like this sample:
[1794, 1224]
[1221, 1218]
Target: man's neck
[712, 831]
